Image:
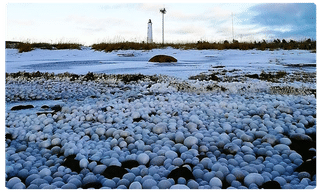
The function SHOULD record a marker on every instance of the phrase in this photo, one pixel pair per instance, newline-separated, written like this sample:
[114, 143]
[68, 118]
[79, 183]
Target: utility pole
[232, 28]
[163, 11]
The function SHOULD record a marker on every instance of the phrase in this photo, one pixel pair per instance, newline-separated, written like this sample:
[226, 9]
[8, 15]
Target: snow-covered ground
[190, 62]
[161, 131]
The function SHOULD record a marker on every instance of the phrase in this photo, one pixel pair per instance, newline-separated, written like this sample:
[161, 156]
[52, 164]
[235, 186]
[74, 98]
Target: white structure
[149, 37]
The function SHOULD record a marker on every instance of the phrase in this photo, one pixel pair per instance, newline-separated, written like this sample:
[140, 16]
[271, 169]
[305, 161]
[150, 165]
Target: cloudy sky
[89, 23]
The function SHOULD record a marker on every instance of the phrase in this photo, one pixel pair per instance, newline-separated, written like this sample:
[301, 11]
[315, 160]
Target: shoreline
[157, 129]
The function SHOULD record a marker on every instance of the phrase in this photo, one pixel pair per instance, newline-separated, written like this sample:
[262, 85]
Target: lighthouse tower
[149, 37]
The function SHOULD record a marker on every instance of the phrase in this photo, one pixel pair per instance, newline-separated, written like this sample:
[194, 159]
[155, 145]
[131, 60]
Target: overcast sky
[89, 23]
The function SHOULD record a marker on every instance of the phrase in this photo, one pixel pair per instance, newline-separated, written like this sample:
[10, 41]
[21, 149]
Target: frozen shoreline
[225, 138]
[249, 125]
[190, 62]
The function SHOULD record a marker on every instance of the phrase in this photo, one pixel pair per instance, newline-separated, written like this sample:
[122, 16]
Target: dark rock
[152, 113]
[174, 114]
[201, 156]
[72, 163]
[45, 112]
[8, 136]
[20, 107]
[181, 172]
[129, 164]
[217, 67]
[308, 166]
[96, 185]
[74, 77]
[128, 78]
[313, 136]
[301, 144]
[114, 171]
[138, 119]
[89, 77]
[253, 76]
[56, 108]
[163, 59]
[205, 77]
[45, 107]
[270, 185]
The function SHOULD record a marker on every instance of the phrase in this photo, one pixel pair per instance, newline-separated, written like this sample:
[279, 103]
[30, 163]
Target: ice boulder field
[214, 119]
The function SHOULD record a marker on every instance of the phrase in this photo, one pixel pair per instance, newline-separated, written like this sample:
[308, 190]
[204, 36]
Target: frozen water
[190, 62]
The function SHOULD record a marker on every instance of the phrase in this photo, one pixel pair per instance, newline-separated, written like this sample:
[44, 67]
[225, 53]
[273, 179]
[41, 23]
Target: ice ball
[253, 178]
[143, 158]
[179, 186]
[149, 183]
[189, 141]
[215, 182]
[164, 184]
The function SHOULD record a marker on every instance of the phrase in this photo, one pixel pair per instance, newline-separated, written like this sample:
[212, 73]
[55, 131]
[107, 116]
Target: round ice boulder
[160, 128]
[177, 161]
[164, 184]
[249, 158]
[135, 185]
[192, 184]
[45, 172]
[99, 169]
[179, 186]
[56, 141]
[281, 147]
[171, 154]
[179, 137]
[69, 186]
[215, 182]
[149, 183]
[253, 178]
[19, 186]
[310, 187]
[100, 131]
[226, 127]
[279, 168]
[189, 141]
[135, 115]
[143, 158]
[12, 182]
[280, 180]
[157, 160]
[89, 179]
[269, 138]
[285, 141]
[110, 183]
[198, 173]
[83, 163]
[231, 148]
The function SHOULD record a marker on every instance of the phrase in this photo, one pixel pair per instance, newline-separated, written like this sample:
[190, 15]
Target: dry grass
[108, 47]
[26, 46]
[67, 46]
[200, 45]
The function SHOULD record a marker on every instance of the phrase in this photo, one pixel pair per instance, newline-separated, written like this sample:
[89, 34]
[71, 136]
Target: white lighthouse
[149, 37]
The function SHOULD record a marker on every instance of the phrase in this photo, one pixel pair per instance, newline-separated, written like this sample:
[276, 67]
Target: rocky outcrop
[163, 59]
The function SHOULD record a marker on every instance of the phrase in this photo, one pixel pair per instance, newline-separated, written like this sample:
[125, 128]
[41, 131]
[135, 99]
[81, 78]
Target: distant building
[149, 37]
